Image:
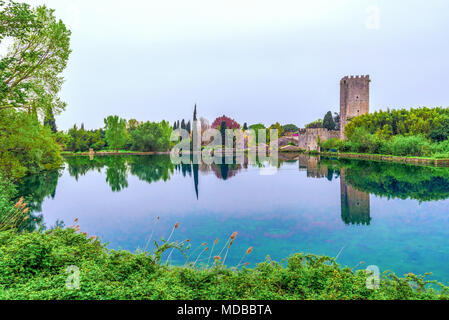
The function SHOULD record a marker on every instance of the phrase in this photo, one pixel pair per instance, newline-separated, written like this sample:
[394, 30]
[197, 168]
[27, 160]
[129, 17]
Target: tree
[49, 121]
[230, 123]
[245, 126]
[290, 128]
[116, 133]
[223, 132]
[132, 124]
[337, 120]
[328, 121]
[440, 130]
[277, 127]
[315, 124]
[256, 128]
[188, 127]
[151, 136]
[194, 114]
[30, 80]
[26, 147]
[30, 71]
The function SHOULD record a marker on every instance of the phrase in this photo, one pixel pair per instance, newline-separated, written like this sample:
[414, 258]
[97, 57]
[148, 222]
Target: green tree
[50, 121]
[151, 136]
[30, 80]
[116, 133]
[290, 128]
[315, 124]
[328, 121]
[440, 130]
[26, 147]
[223, 132]
[30, 71]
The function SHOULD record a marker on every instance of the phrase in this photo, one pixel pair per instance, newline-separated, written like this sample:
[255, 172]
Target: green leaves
[26, 147]
[151, 136]
[116, 133]
[30, 72]
[32, 266]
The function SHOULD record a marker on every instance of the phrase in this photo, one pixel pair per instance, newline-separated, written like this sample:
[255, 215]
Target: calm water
[391, 215]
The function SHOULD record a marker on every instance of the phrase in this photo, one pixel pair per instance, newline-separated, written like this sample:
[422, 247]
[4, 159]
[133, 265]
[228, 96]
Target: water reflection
[358, 179]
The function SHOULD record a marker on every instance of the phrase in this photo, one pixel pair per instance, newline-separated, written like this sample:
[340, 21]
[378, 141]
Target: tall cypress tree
[223, 132]
[188, 127]
[194, 114]
[49, 121]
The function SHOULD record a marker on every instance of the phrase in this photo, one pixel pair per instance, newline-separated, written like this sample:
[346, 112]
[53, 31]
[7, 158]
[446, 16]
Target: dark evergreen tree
[328, 121]
[49, 121]
[337, 120]
[183, 124]
[194, 114]
[223, 132]
[188, 127]
[245, 126]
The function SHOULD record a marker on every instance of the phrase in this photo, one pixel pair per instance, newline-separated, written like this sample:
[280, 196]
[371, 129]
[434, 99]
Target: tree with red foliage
[230, 123]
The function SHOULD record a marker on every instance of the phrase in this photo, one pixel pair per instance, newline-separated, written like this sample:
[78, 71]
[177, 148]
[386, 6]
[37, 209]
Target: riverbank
[111, 153]
[38, 266]
[387, 158]
[292, 149]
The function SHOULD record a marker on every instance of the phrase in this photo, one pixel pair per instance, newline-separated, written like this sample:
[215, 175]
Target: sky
[256, 61]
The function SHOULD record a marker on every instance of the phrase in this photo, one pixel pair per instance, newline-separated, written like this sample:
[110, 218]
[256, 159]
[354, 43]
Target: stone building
[354, 101]
[308, 138]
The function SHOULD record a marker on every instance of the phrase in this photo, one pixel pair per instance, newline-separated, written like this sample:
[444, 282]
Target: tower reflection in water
[355, 204]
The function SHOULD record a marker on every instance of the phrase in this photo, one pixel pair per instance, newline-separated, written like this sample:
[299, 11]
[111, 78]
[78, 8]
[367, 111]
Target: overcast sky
[252, 60]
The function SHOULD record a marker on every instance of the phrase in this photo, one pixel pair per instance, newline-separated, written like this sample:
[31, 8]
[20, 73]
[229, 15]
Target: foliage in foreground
[33, 266]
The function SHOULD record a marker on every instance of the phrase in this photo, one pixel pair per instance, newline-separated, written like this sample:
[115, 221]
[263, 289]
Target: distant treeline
[118, 134]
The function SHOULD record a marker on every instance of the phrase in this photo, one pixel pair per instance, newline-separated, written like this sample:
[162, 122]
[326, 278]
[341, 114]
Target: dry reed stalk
[151, 236]
[250, 249]
[213, 246]
[199, 256]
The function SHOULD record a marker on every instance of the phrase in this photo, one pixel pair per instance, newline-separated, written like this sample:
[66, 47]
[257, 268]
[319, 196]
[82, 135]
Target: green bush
[399, 145]
[33, 266]
[7, 193]
[332, 144]
[26, 147]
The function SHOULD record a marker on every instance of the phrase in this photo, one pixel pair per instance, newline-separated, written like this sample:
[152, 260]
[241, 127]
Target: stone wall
[308, 138]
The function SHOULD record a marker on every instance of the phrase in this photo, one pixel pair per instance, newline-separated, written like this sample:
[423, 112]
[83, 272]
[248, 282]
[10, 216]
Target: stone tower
[354, 99]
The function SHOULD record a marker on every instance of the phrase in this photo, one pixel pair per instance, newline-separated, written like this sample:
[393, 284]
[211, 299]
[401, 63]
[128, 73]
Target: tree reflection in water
[358, 178]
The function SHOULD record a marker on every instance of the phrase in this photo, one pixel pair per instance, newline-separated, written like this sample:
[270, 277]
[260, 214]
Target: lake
[394, 216]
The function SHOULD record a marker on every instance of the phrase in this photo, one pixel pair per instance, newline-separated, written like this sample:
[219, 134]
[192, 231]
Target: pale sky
[253, 60]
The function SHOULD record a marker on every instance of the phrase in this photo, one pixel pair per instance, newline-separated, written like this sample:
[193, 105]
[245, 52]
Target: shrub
[332, 144]
[408, 146]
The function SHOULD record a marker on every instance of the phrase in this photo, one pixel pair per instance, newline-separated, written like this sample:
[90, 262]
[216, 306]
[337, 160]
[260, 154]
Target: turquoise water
[391, 215]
